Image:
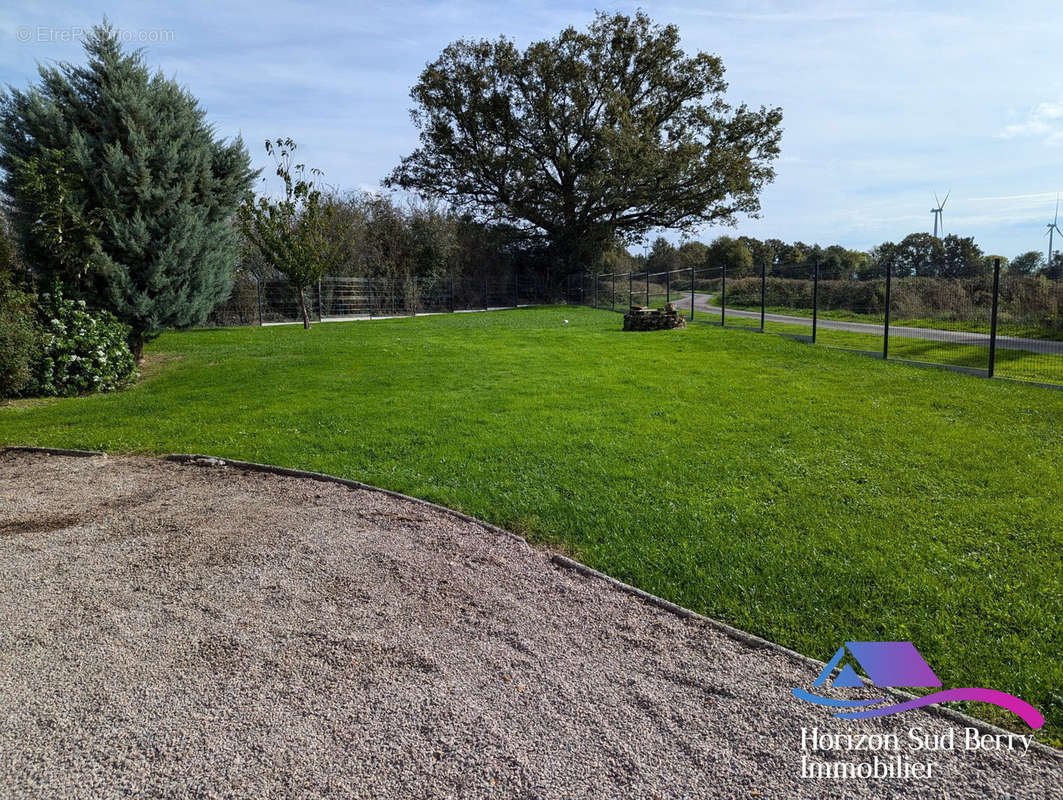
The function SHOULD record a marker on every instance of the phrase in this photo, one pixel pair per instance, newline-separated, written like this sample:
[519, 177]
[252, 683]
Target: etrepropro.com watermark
[27, 34]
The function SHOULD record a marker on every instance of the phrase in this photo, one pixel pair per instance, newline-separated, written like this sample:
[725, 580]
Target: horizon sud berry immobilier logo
[899, 665]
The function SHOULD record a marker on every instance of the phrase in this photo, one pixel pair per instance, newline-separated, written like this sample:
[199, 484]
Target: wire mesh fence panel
[469, 294]
[638, 289]
[432, 294]
[387, 297]
[605, 292]
[680, 283]
[242, 305]
[1029, 343]
[941, 321]
[280, 302]
[531, 290]
[656, 286]
[739, 297]
[501, 292]
[788, 310]
[851, 313]
[708, 294]
[345, 297]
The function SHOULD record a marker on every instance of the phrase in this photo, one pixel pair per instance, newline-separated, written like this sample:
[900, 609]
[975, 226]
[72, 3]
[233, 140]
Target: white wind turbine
[937, 212]
[1053, 228]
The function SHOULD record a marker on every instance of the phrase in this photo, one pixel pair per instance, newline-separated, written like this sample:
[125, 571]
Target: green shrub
[20, 342]
[82, 351]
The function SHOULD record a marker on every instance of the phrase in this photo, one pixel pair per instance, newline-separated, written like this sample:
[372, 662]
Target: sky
[883, 104]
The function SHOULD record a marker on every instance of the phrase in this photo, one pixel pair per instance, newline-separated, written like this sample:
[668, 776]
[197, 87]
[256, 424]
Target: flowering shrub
[82, 351]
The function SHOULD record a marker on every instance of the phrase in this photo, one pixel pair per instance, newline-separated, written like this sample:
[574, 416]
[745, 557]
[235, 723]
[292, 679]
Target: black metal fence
[994, 325]
[259, 301]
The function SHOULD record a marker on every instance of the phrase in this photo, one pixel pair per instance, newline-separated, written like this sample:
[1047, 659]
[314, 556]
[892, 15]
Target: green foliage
[9, 260]
[120, 190]
[1026, 263]
[792, 458]
[1054, 269]
[20, 342]
[292, 233]
[923, 255]
[81, 351]
[693, 254]
[867, 296]
[590, 138]
[663, 256]
[732, 254]
[61, 231]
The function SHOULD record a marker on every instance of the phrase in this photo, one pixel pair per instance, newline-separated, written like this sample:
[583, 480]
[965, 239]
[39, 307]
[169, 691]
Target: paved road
[1044, 346]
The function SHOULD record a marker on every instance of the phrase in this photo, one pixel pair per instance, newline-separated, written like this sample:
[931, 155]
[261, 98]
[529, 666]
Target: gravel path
[182, 631]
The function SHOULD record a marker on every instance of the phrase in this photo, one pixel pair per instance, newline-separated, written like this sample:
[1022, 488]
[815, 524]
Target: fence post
[723, 296]
[516, 288]
[667, 287]
[763, 290]
[692, 276]
[452, 290]
[261, 289]
[595, 279]
[886, 327]
[612, 291]
[485, 293]
[413, 297]
[647, 288]
[630, 288]
[815, 298]
[320, 303]
[369, 285]
[993, 318]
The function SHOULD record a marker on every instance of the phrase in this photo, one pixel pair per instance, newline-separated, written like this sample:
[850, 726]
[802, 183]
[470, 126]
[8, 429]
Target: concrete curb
[748, 639]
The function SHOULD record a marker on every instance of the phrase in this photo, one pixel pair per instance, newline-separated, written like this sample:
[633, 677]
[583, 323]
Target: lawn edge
[52, 451]
[216, 461]
[757, 643]
[750, 640]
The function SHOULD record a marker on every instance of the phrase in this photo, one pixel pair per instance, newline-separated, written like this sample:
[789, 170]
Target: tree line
[919, 255]
[552, 159]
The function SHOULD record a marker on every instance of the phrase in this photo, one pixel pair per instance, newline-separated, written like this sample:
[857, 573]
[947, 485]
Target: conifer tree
[120, 190]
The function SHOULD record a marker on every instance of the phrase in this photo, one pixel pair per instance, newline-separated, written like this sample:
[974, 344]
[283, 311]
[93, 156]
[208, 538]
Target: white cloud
[1045, 121]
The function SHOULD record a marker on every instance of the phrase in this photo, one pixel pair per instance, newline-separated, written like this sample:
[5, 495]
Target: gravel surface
[177, 630]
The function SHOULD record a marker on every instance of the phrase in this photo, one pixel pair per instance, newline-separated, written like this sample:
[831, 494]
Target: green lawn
[805, 494]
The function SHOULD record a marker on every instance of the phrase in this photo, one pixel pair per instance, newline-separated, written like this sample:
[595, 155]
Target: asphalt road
[1043, 346]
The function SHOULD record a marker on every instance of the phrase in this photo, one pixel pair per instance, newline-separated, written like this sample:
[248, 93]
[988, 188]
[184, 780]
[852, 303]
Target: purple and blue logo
[898, 664]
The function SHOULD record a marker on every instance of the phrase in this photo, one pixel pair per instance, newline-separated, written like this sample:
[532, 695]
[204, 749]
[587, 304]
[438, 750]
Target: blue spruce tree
[119, 189]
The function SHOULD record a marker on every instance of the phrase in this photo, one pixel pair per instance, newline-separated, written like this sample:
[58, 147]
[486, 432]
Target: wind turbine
[1053, 228]
[937, 212]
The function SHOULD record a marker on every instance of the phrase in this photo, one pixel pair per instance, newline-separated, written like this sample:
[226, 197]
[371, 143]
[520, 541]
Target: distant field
[805, 494]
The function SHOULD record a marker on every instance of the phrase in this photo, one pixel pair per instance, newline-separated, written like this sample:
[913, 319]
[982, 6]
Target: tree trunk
[136, 345]
[302, 306]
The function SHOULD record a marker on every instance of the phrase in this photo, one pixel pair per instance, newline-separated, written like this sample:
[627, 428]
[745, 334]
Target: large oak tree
[592, 138]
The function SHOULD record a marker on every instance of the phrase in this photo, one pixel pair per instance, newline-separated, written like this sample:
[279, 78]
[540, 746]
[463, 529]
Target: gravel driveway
[174, 630]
